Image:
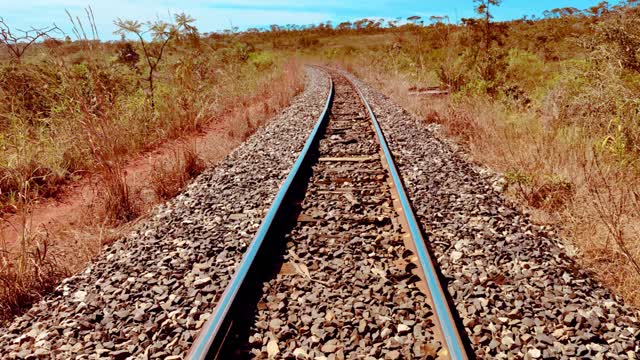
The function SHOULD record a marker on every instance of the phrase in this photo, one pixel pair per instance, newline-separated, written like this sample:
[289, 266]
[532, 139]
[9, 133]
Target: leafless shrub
[18, 41]
[614, 204]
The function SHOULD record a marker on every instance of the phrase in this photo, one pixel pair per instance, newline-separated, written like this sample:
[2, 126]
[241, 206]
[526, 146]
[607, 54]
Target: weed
[541, 192]
[119, 204]
[169, 177]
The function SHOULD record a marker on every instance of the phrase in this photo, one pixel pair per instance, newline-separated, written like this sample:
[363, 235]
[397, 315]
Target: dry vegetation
[84, 109]
[552, 103]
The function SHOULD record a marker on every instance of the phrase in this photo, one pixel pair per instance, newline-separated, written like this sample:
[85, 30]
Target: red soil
[74, 200]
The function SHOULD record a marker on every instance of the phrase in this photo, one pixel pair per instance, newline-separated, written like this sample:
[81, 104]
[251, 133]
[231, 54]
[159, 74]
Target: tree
[188, 32]
[161, 34]
[344, 26]
[600, 9]
[483, 9]
[438, 19]
[18, 41]
[414, 19]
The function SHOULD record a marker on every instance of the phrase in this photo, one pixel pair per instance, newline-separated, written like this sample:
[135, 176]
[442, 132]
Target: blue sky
[220, 14]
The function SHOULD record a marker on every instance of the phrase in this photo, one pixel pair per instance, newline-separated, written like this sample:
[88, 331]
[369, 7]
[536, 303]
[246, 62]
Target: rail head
[212, 333]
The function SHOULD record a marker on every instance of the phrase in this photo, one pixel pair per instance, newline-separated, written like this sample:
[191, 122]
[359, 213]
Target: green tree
[161, 33]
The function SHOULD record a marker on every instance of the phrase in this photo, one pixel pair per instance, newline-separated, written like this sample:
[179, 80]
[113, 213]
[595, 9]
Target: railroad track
[339, 268]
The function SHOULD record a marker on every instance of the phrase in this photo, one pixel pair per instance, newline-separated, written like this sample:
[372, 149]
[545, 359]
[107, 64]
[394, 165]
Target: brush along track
[344, 279]
[517, 291]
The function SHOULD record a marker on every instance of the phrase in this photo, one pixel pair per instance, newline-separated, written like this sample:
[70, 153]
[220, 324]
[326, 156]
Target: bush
[618, 38]
[29, 90]
[524, 69]
[308, 42]
[262, 60]
[128, 55]
[453, 74]
[549, 192]
[584, 93]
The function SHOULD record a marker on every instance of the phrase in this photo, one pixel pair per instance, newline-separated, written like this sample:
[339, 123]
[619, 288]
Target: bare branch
[18, 41]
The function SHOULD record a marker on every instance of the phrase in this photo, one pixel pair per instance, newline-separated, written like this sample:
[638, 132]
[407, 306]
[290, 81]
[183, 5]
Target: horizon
[219, 15]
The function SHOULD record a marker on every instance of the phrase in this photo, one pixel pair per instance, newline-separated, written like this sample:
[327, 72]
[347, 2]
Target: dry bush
[28, 273]
[588, 194]
[170, 176]
[118, 203]
[458, 123]
[250, 111]
[616, 202]
[541, 192]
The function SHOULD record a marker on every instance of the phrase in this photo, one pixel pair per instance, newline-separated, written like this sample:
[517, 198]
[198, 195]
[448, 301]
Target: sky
[215, 15]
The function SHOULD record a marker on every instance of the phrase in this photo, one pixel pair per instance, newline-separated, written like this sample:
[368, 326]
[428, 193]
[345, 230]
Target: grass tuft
[119, 203]
[172, 175]
[26, 276]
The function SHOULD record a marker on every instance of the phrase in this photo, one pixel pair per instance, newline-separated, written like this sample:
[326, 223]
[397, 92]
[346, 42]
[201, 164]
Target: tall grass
[27, 269]
[66, 115]
[171, 175]
[75, 110]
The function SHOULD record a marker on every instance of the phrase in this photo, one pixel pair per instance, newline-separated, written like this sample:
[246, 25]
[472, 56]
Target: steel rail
[454, 343]
[213, 332]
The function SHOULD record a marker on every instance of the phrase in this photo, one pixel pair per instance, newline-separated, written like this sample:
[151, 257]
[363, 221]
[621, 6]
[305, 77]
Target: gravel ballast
[148, 294]
[345, 289]
[518, 293]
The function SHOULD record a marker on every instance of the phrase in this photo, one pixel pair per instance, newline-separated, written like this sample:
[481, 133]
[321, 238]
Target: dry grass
[170, 176]
[25, 278]
[26, 271]
[556, 172]
[45, 257]
[119, 203]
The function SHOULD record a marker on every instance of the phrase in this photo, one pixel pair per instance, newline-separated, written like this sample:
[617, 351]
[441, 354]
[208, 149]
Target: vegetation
[74, 109]
[550, 102]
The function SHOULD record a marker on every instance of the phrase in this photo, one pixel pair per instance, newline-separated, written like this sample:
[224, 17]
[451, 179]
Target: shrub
[171, 176]
[308, 42]
[524, 69]
[263, 60]
[30, 90]
[128, 55]
[549, 192]
[453, 74]
[618, 38]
